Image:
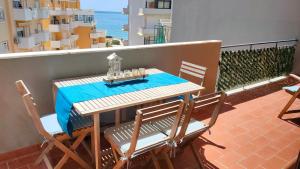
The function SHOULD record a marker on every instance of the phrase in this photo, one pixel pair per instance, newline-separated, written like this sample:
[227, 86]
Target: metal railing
[251, 45]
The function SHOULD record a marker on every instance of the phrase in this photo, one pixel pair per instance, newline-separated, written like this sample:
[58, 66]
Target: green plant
[244, 67]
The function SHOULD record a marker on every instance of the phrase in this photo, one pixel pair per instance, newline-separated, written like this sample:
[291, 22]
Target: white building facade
[149, 21]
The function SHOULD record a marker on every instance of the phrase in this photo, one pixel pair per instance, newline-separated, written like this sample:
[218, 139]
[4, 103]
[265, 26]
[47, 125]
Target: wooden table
[117, 102]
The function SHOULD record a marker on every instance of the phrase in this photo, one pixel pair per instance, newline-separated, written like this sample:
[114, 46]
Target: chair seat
[292, 89]
[149, 137]
[194, 126]
[52, 126]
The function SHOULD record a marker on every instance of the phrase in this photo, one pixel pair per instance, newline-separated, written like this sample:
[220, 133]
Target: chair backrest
[31, 107]
[206, 101]
[193, 70]
[153, 113]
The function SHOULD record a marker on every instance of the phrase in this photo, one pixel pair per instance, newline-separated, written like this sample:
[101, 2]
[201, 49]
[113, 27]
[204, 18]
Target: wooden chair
[189, 128]
[49, 128]
[193, 70]
[140, 136]
[295, 91]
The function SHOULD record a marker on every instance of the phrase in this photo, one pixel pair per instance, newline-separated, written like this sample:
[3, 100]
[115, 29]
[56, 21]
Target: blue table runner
[67, 96]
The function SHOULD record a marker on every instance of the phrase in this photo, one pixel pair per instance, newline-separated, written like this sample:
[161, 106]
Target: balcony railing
[28, 42]
[239, 68]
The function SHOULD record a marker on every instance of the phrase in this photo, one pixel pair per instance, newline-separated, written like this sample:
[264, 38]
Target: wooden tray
[123, 79]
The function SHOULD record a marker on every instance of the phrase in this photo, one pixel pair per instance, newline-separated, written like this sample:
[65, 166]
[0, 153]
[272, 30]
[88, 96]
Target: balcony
[54, 28]
[56, 12]
[22, 14]
[84, 12]
[98, 45]
[55, 44]
[247, 134]
[42, 37]
[43, 13]
[98, 34]
[26, 42]
[154, 11]
[74, 37]
[146, 31]
[65, 27]
[125, 11]
[125, 27]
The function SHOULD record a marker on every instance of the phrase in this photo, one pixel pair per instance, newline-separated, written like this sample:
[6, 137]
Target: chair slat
[191, 73]
[194, 65]
[198, 71]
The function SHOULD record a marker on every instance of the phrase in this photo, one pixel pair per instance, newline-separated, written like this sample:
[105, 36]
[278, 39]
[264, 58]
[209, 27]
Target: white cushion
[148, 137]
[194, 126]
[52, 126]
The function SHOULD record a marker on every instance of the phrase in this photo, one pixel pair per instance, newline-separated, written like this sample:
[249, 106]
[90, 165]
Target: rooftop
[247, 134]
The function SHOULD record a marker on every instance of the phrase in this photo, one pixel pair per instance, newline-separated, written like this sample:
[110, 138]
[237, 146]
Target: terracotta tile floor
[247, 134]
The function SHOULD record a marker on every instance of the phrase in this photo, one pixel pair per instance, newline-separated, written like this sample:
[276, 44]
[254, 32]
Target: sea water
[112, 22]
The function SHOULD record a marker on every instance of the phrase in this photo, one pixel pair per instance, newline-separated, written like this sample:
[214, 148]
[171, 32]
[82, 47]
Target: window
[2, 17]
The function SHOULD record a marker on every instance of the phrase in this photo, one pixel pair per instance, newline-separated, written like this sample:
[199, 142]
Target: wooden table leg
[187, 98]
[117, 117]
[97, 141]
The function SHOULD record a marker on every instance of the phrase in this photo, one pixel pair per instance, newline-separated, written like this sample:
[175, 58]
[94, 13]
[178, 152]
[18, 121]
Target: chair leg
[93, 146]
[120, 164]
[197, 156]
[44, 153]
[70, 152]
[155, 160]
[288, 105]
[47, 162]
[168, 160]
[86, 147]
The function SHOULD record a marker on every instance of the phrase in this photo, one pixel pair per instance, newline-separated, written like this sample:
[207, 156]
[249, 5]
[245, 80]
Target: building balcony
[98, 34]
[247, 133]
[65, 27]
[84, 12]
[23, 14]
[86, 23]
[43, 13]
[42, 36]
[56, 12]
[146, 31]
[27, 42]
[55, 44]
[74, 37]
[125, 27]
[154, 11]
[54, 28]
[125, 11]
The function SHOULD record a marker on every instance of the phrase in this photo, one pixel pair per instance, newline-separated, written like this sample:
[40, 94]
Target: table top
[127, 99]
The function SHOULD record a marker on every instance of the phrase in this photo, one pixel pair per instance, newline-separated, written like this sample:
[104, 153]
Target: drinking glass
[142, 71]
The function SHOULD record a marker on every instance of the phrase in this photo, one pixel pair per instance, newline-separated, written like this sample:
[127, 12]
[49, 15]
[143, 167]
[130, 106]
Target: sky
[104, 5]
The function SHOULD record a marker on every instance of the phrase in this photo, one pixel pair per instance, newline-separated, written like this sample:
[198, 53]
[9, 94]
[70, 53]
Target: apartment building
[149, 21]
[37, 25]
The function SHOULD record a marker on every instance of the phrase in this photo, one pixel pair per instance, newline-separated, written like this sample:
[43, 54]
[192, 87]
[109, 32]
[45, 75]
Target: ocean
[112, 22]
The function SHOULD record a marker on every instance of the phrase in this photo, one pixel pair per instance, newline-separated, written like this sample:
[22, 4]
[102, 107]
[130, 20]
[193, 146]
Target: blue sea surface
[112, 22]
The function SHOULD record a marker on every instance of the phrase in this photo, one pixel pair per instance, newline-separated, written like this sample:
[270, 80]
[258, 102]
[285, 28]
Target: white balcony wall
[65, 27]
[22, 14]
[27, 42]
[55, 44]
[43, 13]
[98, 34]
[54, 28]
[38, 69]
[42, 37]
[154, 11]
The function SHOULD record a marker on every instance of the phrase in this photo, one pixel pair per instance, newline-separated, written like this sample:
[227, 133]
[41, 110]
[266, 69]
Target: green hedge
[244, 67]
